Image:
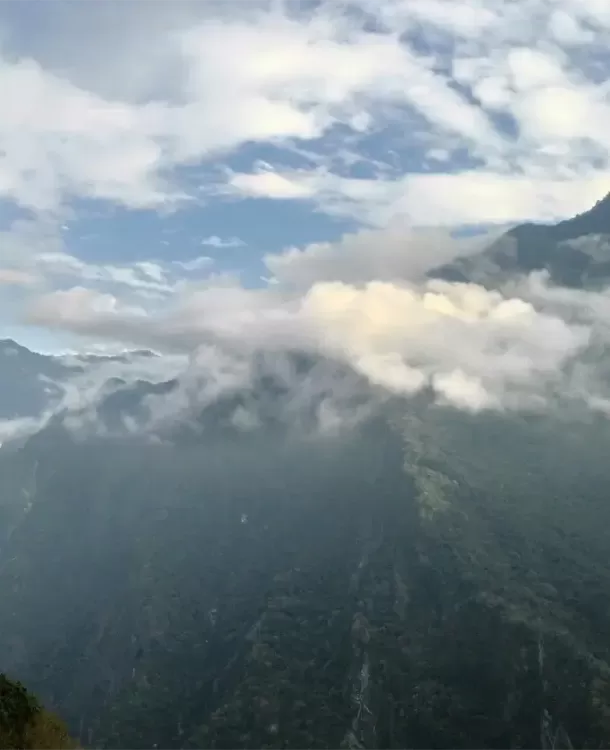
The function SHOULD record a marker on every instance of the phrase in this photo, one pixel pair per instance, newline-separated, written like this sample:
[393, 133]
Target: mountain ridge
[31, 382]
[575, 252]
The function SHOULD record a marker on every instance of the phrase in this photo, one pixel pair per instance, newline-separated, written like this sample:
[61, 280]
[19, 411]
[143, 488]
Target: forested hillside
[434, 580]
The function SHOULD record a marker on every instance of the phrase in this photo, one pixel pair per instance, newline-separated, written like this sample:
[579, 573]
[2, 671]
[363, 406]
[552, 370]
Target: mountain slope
[433, 580]
[28, 381]
[575, 252]
[31, 382]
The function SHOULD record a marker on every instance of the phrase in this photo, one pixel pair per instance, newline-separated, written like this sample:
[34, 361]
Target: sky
[157, 156]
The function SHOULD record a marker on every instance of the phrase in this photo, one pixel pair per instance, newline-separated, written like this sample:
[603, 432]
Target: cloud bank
[521, 347]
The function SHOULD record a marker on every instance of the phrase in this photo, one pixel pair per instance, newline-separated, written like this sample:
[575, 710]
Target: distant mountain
[28, 381]
[31, 382]
[575, 252]
[281, 392]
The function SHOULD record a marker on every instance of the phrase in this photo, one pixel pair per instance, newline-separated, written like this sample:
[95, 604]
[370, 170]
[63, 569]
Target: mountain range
[428, 577]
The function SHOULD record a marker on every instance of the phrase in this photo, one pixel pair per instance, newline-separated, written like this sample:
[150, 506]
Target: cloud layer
[474, 348]
[497, 105]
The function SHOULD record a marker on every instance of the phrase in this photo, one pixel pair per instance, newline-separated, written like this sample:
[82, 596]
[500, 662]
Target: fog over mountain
[364, 507]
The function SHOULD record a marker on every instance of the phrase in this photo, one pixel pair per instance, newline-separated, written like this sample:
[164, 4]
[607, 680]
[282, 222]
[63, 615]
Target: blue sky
[150, 150]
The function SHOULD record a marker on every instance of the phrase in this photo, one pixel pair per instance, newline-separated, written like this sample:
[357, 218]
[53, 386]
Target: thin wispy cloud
[199, 263]
[219, 242]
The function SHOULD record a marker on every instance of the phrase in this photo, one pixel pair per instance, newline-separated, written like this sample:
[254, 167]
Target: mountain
[184, 565]
[29, 381]
[575, 253]
[425, 579]
[25, 724]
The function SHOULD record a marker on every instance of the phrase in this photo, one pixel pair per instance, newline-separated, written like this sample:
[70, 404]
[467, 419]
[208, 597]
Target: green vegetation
[442, 582]
[25, 724]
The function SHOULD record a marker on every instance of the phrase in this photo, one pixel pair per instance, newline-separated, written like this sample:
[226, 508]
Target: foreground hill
[25, 724]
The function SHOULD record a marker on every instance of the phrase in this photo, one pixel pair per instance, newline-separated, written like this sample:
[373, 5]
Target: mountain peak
[575, 252]
[12, 344]
[593, 221]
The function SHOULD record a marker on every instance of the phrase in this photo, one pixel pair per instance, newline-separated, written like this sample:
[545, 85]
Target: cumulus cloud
[477, 348]
[474, 347]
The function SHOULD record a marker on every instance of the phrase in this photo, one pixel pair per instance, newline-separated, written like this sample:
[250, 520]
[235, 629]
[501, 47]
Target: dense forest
[430, 579]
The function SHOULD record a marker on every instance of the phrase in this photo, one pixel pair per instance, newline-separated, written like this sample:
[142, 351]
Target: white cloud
[141, 276]
[16, 277]
[83, 306]
[227, 79]
[477, 348]
[505, 118]
[197, 264]
[23, 239]
[375, 317]
[568, 30]
[34, 259]
[268, 184]
[245, 81]
[59, 140]
[393, 253]
[452, 199]
[153, 270]
[477, 339]
[219, 242]
[464, 391]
